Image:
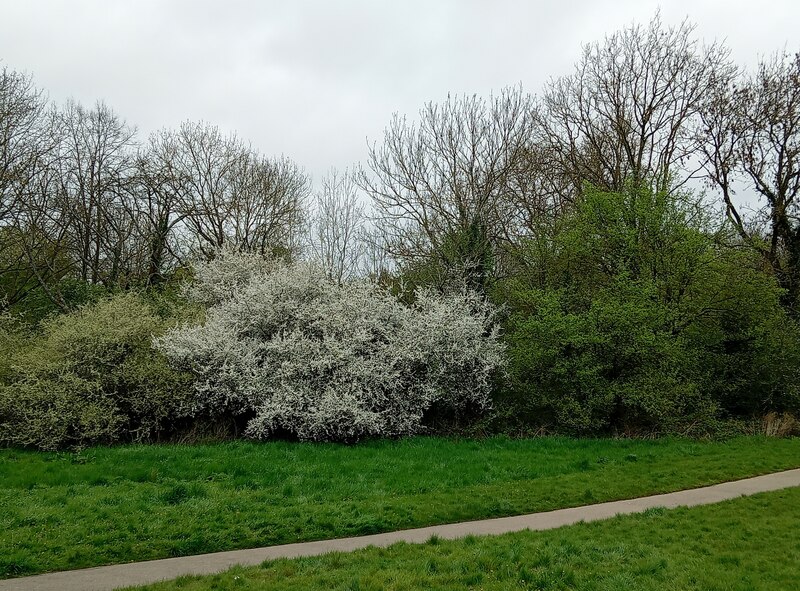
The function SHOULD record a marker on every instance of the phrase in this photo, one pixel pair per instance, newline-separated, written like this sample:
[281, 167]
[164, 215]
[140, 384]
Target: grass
[62, 511]
[749, 544]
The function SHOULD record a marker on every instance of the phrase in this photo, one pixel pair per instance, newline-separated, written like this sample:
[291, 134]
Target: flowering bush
[91, 377]
[219, 278]
[296, 352]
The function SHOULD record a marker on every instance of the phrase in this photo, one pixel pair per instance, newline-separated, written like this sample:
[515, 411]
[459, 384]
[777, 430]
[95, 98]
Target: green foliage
[21, 282]
[467, 256]
[746, 343]
[637, 318]
[614, 365]
[37, 305]
[11, 341]
[18, 281]
[464, 259]
[91, 376]
[52, 412]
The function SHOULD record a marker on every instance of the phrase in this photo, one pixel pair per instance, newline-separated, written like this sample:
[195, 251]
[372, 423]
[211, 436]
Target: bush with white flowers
[296, 352]
[220, 278]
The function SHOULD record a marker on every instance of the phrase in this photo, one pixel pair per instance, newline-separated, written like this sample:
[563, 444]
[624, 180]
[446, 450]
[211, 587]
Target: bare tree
[22, 109]
[627, 113]
[269, 203]
[336, 226]
[157, 198]
[751, 142]
[80, 200]
[30, 243]
[448, 174]
[95, 164]
[375, 261]
[42, 237]
[214, 190]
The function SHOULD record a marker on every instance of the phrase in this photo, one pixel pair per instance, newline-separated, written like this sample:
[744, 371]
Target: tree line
[83, 201]
[450, 193]
[647, 107]
[629, 237]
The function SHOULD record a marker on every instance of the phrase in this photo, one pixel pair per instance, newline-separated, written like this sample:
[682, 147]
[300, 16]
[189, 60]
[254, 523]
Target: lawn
[749, 544]
[109, 505]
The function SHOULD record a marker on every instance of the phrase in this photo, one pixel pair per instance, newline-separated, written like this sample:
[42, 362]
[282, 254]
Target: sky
[317, 80]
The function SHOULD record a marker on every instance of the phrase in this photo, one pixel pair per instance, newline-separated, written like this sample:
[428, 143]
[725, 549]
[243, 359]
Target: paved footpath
[106, 578]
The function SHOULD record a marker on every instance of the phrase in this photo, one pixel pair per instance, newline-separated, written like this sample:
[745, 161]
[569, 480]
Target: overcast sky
[314, 80]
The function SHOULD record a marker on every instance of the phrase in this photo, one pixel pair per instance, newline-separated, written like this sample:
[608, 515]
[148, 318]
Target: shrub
[294, 352]
[640, 319]
[221, 277]
[92, 377]
[615, 365]
[51, 413]
[11, 341]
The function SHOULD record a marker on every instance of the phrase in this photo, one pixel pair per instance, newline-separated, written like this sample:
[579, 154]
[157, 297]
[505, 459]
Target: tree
[751, 133]
[157, 204]
[641, 319]
[627, 113]
[216, 190]
[22, 107]
[24, 143]
[94, 163]
[337, 225]
[454, 170]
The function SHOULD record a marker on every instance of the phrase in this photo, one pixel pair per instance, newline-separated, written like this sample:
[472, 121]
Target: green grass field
[749, 544]
[111, 505]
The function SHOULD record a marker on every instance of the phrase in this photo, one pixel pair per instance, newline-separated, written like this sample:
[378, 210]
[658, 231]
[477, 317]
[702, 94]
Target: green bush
[11, 341]
[92, 377]
[638, 319]
[614, 365]
[745, 342]
[53, 413]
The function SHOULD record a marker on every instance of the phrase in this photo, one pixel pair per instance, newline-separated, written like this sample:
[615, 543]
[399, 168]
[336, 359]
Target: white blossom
[301, 353]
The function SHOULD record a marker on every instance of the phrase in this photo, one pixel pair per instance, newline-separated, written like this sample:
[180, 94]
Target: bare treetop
[627, 113]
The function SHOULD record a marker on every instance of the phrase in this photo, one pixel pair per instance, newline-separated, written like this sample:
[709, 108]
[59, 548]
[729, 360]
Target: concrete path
[106, 578]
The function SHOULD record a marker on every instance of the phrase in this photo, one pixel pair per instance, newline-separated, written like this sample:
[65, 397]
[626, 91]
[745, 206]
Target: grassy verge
[749, 544]
[111, 505]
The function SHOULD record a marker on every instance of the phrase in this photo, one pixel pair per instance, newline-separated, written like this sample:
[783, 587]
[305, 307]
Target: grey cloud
[314, 79]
